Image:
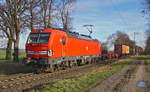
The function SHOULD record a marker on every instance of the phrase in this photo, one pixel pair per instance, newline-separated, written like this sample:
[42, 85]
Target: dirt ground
[141, 75]
[125, 80]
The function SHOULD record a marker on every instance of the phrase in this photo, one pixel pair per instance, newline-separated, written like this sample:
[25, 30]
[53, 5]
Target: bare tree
[18, 7]
[65, 8]
[18, 15]
[32, 14]
[147, 48]
[120, 38]
[147, 12]
[6, 26]
[12, 21]
[3, 40]
[56, 13]
[46, 11]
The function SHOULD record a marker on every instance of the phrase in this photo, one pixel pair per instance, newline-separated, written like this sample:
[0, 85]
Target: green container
[132, 51]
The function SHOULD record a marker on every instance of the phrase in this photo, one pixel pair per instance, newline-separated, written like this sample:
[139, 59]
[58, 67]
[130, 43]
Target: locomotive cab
[37, 46]
[42, 45]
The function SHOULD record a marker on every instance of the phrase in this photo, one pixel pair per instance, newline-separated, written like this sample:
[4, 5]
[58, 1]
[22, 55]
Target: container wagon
[121, 50]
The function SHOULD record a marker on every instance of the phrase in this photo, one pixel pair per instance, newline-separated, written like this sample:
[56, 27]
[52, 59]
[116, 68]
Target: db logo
[87, 48]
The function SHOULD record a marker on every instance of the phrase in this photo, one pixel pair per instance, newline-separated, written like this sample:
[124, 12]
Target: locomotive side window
[63, 40]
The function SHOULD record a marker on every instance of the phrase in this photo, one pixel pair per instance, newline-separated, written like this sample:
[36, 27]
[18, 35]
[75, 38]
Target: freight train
[121, 51]
[52, 49]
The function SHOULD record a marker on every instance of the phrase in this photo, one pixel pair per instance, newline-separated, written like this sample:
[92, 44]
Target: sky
[107, 17]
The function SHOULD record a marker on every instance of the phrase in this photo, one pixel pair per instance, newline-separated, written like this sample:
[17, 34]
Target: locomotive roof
[74, 34]
[80, 36]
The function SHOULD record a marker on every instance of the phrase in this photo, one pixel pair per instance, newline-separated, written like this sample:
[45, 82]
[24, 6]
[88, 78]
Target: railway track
[24, 82]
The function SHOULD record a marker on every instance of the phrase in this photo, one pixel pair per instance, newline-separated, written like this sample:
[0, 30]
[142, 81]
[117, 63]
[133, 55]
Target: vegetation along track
[112, 84]
[23, 82]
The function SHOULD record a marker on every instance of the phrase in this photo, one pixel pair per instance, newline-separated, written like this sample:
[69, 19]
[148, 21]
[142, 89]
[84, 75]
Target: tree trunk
[32, 18]
[45, 24]
[50, 13]
[16, 50]
[45, 6]
[9, 50]
[17, 33]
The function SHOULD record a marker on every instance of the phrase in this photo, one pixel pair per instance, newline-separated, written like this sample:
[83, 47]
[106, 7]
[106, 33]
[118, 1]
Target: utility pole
[134, 41]
[134, 37]
[135, 33]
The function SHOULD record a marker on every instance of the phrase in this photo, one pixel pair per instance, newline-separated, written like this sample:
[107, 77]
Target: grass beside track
[148, 64]
[22, 54]
[2, 54]
[148, 69]
[86, 81]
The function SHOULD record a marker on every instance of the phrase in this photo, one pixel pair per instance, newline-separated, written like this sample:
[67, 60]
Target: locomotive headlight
[50, 53]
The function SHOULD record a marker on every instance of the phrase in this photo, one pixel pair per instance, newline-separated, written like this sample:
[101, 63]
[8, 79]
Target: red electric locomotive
[50, 49]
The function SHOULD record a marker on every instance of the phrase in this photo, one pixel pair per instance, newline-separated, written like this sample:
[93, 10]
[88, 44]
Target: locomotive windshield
[38, 38]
